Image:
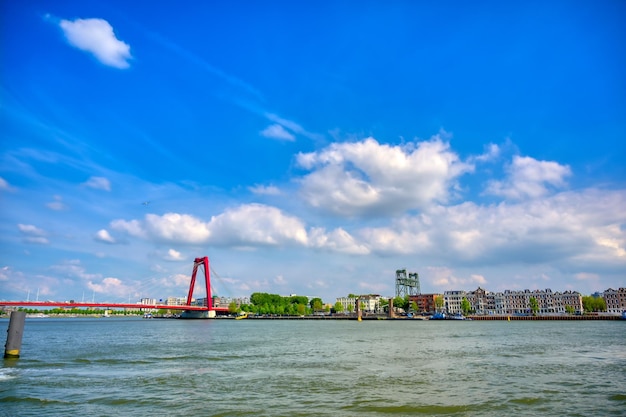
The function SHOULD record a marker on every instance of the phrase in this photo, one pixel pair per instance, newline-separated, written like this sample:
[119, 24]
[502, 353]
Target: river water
[139, 367]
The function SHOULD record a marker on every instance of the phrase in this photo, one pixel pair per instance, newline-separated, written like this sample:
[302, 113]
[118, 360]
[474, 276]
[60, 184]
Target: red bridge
[209, 308]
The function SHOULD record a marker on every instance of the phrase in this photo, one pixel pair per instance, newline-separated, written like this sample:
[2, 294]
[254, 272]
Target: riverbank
[422, 318]
[561, 317]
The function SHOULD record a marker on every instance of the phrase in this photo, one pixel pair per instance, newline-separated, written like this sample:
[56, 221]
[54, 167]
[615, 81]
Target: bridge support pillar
[14, 335]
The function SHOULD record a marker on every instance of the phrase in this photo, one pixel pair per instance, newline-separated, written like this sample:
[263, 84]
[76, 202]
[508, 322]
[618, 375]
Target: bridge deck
[106, 305]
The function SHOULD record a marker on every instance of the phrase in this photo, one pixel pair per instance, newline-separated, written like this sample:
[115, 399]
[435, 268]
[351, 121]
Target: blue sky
[311, 148]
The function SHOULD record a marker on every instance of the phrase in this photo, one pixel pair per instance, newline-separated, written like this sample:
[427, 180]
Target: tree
[569, 310]
[593, 304]
[338, 307]
[317, 304]
[232, 308]
[301, 309]
[400, 302]
[466, 307]
[534, 305]
[438, 302]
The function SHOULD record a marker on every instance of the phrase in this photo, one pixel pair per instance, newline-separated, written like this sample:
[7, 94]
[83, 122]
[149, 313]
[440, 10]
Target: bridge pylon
[204, 262]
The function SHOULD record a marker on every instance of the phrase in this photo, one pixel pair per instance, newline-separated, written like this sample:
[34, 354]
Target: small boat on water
[438, 316]
[242, 316]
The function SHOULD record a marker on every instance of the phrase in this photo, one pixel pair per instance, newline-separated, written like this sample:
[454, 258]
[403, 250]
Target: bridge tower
[407, 284]
[204, 262]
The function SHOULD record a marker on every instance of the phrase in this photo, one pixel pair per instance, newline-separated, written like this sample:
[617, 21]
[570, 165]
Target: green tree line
[295, 305]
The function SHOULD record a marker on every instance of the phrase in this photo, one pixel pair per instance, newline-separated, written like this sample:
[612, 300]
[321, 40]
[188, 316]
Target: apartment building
[369, 303]
[483, 302]
[425, 302]
[452, 301]
[615, 300]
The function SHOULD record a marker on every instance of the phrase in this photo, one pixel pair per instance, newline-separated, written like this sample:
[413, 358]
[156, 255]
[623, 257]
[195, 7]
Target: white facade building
[615, 300]
[369, 303]
[452, 301]
[483, 302]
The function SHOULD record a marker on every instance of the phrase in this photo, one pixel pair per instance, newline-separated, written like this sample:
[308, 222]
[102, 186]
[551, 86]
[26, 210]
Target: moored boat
[438, 316]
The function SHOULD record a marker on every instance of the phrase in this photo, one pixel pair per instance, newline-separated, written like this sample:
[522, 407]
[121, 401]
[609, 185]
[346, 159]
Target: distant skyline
[311, 148]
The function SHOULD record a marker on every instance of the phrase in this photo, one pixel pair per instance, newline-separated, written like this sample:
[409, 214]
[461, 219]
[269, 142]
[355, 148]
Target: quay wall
[563, 317]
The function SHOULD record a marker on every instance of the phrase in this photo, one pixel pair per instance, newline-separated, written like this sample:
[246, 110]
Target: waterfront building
[226, 301]
[202, 302]
[148, 301]
[499, 302]
[176, 301]
[425, 302]
[517, 302]
[483, 302]
[572, 299]
[369, 303]
[615, 300]
[452, 301]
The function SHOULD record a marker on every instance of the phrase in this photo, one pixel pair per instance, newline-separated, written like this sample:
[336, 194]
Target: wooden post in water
[14, 335]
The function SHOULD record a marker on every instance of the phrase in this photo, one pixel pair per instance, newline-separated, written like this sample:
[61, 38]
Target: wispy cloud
[492, 151]
[264, 190]
[96, 37]
[276, 131]
[98, 183]
[292, 126]
[33, 234]
[197, 60]
[5, 186]
[57, 204]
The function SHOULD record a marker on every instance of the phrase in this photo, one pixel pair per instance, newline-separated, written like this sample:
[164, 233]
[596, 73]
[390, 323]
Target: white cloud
[73, 268]
[96, 36]
[368, 178]
[337, 240]
[104, 236]
[110, 286]
[292, 126]
[265, 190]
[173, 255]
[174, 281]
[98, 183]
[257, 224]
[174, 227]
[248, 225]
[570, 229]
[585, 276]
[33, 234]
[276, 131]
[252, 224]
[492, 151]
[529, 178]
[132, 227]
[446, 278]
[29, 229]
[57, 204]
